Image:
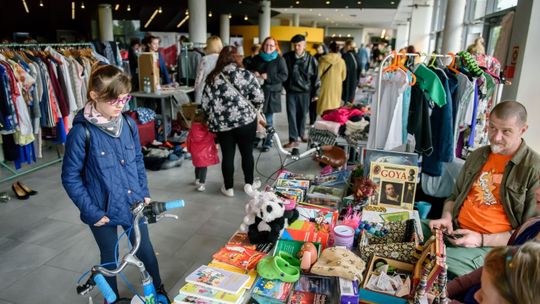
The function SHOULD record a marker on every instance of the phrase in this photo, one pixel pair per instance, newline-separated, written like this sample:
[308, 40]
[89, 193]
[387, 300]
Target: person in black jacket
[270, 68]
[302, 86]
[353, 72]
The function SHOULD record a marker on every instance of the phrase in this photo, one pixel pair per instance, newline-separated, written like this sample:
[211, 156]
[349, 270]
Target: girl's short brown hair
[108, 82]
[514, 272]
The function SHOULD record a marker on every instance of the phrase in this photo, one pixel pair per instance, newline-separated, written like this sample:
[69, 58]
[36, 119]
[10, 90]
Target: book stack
[211, 285]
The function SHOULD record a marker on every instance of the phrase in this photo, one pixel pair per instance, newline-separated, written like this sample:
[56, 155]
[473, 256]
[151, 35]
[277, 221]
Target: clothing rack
[381, 71]
[17, 173]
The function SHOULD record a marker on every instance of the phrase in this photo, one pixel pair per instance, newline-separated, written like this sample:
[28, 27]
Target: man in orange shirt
[494, 193]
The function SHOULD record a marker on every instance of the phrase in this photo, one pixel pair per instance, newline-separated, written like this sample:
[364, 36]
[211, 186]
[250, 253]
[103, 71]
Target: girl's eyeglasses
[120, 101]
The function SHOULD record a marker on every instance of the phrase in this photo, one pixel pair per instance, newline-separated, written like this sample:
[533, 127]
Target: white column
[197, 20]
[224, 28]
[296, 19]
[421, 26]
[524, 87]
[326, 31]
[453, 26]
[105, 22]
[313, 23]
[402, 36]
[264, 20]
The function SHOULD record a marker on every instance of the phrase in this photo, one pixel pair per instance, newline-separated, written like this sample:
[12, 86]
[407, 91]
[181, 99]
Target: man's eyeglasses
[120, 101]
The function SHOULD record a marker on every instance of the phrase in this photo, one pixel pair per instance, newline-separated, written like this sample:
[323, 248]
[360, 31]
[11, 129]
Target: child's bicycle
[153, 213]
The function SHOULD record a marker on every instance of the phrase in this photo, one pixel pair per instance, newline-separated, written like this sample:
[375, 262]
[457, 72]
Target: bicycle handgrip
[174, 204]
[105, 288]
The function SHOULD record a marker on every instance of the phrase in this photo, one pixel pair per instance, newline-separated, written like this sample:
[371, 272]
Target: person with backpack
[103, 171]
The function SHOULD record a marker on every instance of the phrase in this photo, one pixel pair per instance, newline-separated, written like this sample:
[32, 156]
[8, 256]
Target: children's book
[241, 239]
[251, 273]
[239, 256]
[273, 289]
[185, 299]
[218, 279]
[293, 183]
[304, 297]
[212, 295]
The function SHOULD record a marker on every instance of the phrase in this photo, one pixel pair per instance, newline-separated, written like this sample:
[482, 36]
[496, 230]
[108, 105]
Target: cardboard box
[149, 67]
[370, 296]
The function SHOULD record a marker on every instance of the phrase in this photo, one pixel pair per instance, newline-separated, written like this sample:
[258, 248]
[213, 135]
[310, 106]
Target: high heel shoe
[19, 192]
[26, 188]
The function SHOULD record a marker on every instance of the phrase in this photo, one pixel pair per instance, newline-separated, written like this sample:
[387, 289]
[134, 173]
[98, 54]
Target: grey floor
[44, 247]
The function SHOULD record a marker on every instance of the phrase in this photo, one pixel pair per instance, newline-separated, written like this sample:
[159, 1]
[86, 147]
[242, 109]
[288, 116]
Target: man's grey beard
[496, 149]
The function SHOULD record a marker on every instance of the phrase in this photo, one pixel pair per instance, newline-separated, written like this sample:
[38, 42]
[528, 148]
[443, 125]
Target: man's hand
[470, 239]
[315, 98]
[264, 76]
[104, 220]
[147, 200]
[444, 223]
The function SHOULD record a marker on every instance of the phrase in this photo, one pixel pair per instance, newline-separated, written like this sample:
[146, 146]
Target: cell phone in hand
[453, 236]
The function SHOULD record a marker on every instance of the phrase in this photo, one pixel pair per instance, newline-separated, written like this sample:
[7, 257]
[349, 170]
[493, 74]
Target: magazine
[381, 156]
[218, 279]
[396, 185]
[211, 295]
[275, 289]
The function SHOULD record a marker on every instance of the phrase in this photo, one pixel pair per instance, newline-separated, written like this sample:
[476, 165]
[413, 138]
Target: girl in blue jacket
[103, 171]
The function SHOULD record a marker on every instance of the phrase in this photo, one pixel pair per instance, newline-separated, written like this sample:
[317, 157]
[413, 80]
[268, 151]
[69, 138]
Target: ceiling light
[159, 10]
[359, 2]
[333, 35]
[182, 22]
[187, 12]
[82, 5]
[210, 14]
[327, 2]
[25, 6]
[246, 17]
[392, 2]
[348, 35]
[117, 6]
[339, 35]
[297, 2]
[41, 3]
[239, 2]
[383, 33]
[230, 16]
[128, 8]
[73, 10]
[152, 18]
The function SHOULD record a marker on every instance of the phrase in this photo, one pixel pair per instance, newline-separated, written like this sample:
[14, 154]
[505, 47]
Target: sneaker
[196, 182]
[250, 188]
[265, 149]
[227, 192]
[201, 188]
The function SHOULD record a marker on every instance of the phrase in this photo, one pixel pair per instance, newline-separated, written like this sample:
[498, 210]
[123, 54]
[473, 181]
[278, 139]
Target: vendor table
[175, 97]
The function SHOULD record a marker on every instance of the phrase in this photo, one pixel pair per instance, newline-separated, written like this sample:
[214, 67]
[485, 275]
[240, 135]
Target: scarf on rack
[268, 57]
[111, 127]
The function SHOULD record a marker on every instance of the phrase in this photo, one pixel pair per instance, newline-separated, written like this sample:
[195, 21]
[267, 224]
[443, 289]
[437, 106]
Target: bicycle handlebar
[294, 154]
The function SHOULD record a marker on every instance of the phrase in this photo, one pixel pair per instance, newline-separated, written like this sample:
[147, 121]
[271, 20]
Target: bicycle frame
[150, 296]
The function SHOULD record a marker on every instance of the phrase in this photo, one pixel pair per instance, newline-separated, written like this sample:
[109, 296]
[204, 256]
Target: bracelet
[482, 235]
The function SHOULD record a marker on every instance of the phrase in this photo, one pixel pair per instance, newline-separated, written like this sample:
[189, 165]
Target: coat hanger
[452, 65]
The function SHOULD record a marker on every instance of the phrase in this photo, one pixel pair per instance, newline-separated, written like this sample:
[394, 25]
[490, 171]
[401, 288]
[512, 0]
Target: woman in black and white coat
[229, 90]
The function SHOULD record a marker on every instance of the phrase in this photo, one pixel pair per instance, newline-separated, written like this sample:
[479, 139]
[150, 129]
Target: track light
[182, 22]
[41, 3]
[246, 17]
[82, 5]
[25, 6]
[117, 6]
[151, 18]
[230, 16]
[73, 10]
[128, 8]
[210, 14]
[159, 10]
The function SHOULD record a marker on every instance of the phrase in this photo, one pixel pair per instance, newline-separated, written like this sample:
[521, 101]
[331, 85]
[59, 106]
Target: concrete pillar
[296, 19]
[453, 26]
[421, 26]
[224, 28]
[105, 22]
[402, 36]
[326, 31]
[264, 20]
[525, 42]
[313, 23]
[197, 21]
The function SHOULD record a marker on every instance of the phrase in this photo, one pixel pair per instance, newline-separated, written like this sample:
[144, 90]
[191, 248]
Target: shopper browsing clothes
[201, 145]
[493, 194]
[103, 171]
[229, 101]
[332, 72]
[302, 86]
[271, 69]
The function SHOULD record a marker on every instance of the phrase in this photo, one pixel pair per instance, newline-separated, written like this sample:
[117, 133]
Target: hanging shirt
[482, 210]
[431, 84]
[406, 105]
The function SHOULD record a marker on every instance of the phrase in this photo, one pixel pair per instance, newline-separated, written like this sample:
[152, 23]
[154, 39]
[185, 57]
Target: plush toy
[268, 222]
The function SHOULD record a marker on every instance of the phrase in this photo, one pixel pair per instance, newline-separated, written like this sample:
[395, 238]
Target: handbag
[261, 120]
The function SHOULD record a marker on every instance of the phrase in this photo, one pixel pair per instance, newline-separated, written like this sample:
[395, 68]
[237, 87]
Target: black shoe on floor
[265, 149]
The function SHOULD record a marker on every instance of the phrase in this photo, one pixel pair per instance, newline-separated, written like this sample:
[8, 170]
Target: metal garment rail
[379, 80]
[17, 173]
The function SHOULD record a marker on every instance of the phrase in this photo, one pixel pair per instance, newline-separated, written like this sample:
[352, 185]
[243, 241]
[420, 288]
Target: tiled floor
[44, 247]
